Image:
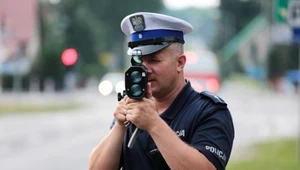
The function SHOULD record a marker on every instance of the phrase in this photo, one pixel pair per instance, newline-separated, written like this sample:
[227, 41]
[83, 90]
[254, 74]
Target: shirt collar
[176, 105]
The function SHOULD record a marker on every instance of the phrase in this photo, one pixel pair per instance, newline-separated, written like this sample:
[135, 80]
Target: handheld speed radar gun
[135, 84]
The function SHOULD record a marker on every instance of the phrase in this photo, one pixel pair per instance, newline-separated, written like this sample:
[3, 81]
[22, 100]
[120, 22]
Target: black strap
[155, 41]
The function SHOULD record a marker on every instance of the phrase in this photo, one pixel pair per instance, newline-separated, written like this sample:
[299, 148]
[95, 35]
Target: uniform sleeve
[214, 136]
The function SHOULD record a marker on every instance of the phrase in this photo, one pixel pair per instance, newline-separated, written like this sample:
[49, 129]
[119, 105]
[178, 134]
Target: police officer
[181, 128]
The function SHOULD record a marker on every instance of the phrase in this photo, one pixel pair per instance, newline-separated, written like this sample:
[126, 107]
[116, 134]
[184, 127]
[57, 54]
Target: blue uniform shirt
[201, 120]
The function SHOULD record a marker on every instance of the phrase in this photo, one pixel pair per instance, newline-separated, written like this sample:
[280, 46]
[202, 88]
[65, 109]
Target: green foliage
[35, 108]
[8, 82]
[93, 70]
[235, 15]
[282, 58]
[51, 61]
[241, 11]
[276, 155]
[94, 26]
[110, 14]
[91, 27]
[49, 65]
[82, 30]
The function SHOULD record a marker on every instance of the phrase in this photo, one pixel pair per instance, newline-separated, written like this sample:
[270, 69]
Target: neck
[164, 101]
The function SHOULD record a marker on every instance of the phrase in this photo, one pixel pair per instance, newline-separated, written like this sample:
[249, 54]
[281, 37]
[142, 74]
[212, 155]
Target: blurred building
[18, 36]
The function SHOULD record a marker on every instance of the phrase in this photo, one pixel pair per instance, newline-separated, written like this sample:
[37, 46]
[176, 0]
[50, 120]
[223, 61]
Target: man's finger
[149, 92]
[127, 123]
[129, 117]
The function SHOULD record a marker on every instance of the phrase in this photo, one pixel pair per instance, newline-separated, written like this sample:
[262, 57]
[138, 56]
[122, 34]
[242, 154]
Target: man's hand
[121, 111]
[142, 113]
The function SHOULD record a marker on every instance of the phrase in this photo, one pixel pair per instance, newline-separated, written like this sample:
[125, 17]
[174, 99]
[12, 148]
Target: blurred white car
[112, 83]
[202, 69]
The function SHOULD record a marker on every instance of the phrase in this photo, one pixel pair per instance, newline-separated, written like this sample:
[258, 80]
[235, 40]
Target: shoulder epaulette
[213, 97]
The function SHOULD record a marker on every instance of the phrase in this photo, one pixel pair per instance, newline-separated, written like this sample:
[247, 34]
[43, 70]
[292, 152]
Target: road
[63, 140]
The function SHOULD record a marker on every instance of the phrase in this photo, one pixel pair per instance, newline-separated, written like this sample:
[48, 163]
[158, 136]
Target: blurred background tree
[235, 15]
[89, 27]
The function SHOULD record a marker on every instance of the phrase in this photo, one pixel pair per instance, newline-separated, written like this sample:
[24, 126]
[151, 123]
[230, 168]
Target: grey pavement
[260, 115]
[54, 140]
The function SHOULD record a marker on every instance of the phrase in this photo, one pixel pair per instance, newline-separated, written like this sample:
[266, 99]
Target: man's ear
[181, 62]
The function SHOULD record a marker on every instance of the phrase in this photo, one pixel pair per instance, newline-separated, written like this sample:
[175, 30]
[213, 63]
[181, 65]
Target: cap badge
[140, 36]
[137, 22]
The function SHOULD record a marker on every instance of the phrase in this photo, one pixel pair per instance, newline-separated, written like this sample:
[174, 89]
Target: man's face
[162, 71]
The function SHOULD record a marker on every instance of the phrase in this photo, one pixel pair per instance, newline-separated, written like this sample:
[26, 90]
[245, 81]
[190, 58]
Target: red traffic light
[69, 57]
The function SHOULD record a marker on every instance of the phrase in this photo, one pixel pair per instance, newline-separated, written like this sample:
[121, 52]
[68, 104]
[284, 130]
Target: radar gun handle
[133, 137]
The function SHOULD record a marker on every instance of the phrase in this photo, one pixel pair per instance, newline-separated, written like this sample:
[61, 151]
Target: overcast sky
[181, 4]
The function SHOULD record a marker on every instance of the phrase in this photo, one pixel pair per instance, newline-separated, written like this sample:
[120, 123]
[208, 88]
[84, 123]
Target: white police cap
[151, 32]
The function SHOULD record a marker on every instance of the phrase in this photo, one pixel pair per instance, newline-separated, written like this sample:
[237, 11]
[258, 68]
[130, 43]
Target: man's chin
[154, 90]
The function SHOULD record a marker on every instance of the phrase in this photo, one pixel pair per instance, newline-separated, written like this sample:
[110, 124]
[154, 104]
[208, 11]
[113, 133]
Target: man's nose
[146, 65]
